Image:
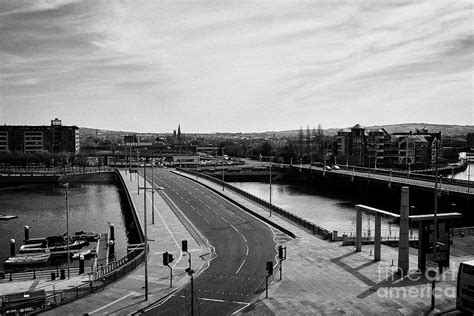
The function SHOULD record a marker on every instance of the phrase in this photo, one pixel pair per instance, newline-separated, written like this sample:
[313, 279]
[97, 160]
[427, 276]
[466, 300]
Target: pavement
[325, 278]
[318, 277]
[127, 294]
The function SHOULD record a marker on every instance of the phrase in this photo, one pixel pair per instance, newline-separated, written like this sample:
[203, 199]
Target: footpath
[127, 295]
[325, 278]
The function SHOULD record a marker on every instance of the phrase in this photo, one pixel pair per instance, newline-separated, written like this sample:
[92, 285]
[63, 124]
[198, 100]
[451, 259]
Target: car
[335, 167]
[327, 168]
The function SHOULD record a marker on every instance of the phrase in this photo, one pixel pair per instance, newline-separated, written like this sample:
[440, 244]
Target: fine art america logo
[416, 284]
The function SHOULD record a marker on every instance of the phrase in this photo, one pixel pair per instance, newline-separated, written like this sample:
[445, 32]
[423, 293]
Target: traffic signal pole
[269, 267]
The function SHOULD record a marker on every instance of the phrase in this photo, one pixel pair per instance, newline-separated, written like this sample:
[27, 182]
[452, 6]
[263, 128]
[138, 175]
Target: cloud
[255, 65]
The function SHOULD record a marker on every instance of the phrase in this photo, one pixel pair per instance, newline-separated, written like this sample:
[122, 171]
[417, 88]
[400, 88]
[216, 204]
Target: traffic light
[184, 245]
[270, 267]
[281, 252]
[167, 258]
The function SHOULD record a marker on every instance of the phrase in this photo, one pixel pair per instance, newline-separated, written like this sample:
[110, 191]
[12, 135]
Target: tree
[308, 140]
[301, 140]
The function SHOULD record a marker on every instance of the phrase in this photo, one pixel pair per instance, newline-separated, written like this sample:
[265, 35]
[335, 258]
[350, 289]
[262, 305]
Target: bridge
[386, 176]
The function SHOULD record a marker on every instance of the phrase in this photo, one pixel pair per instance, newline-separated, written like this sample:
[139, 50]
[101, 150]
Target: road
[242, 245]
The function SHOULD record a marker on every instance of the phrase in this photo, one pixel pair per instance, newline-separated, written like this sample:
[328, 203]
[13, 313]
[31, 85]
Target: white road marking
[112, 303]
[240, 266]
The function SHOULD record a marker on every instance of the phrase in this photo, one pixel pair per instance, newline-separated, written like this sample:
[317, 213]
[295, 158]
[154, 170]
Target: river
[43, 208]
[328, 211]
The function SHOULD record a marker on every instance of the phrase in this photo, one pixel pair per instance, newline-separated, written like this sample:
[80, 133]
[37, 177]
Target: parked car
[335, 167]
[327, 168]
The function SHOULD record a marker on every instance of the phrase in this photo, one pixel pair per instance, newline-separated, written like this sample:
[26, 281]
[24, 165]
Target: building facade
[377, 148]
[55, 138]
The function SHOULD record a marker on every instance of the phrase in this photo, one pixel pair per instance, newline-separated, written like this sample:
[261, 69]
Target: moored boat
[89, 236]
[53, 244]
[27, 260]
[85, 253]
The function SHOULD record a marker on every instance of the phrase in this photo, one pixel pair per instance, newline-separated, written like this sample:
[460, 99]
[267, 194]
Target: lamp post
[223, 169]
[270, 158]
[435, 224]
[146, 236]
[144, 188]
[152, 194]
[66, 186]
[138, 178]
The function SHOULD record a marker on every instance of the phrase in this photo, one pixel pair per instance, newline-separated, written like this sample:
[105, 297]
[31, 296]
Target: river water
[328, 211]
[43, 208]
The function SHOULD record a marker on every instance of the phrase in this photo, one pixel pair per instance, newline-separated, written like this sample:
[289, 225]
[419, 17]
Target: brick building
[55, 138]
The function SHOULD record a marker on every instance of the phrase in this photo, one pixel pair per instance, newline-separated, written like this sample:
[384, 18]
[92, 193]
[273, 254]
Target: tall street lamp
[223, 169]
[66, 186]
[270, 158]
[145, 223]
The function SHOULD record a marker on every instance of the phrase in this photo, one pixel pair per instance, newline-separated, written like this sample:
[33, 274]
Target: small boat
[7, 217]
[53, 244]
[33, 248]
[89, 236]
[27, 260]
[85, 253]
[77, 244]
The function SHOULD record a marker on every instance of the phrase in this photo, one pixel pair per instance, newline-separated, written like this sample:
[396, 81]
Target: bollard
[81, 264]
[12, 248]
[63, 274]
[27, 232]
[112, 231]
[111, 249]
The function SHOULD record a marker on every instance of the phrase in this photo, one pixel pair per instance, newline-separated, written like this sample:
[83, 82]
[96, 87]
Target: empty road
[242, 245]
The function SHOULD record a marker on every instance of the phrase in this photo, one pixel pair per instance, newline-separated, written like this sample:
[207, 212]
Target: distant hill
[447, 130]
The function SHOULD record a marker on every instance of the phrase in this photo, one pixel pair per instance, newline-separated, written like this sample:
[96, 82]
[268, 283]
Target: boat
[59, 242]
[85, 253]
[7, 217]
[89, 236]
[52, 244]
[34, 247]
[27, 260]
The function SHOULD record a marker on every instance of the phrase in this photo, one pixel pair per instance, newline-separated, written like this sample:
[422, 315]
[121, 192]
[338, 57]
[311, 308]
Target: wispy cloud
[236, 65]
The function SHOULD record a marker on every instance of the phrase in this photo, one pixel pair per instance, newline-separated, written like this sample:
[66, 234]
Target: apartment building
[54, 138]
[377, 148]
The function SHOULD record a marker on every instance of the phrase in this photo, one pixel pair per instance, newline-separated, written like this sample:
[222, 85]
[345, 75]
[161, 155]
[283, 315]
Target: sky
[235, 66]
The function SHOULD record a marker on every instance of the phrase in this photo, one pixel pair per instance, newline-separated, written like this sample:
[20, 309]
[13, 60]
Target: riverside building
[55, 138]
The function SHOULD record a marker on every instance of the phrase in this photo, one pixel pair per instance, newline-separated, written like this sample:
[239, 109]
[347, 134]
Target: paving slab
[127, 294]
[325, 278]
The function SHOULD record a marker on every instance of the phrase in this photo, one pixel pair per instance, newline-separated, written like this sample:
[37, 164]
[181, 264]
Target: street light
[223, 169]
[66, 186]
[435, 224]
[145, 221]
[270, 158]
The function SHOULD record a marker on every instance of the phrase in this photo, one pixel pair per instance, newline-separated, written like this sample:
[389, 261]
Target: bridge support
[378, 237]
[358, 243]
[403, 244]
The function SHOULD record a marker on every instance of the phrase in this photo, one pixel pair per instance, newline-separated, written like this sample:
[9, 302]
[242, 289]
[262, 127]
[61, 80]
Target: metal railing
[315, 229]
[100, 279]
[55, 171]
